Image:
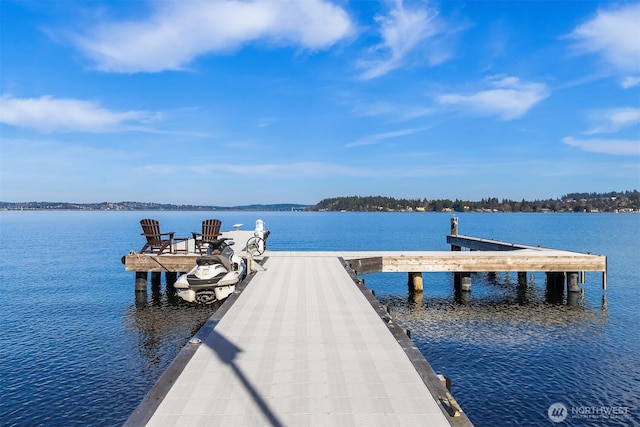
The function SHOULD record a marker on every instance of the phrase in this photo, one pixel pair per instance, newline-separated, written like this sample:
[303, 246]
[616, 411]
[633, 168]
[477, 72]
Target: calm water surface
[77, 349]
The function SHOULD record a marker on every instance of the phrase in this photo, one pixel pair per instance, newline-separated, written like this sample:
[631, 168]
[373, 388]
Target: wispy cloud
[179, 31]
[50, 114]
[298, 169]
[264, 122]
[379, 137]
[509, 99]
[629, 82]
[312, 169]
[394, 112]
[622, 147]
[403, 31]
[613, 34]
[610, 121]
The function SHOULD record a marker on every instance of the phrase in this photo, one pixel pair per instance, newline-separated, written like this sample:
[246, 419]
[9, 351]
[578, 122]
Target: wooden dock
[301, 344]
[550, 261]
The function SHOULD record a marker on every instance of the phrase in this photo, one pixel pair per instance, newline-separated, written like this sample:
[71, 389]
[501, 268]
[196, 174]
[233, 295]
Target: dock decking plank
[300, 346]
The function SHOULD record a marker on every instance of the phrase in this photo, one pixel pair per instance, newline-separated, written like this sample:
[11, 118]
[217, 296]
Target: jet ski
[214, 276]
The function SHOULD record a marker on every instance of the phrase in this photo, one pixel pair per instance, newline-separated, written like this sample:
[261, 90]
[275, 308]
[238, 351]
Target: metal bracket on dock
[252, 265]
[452, 406]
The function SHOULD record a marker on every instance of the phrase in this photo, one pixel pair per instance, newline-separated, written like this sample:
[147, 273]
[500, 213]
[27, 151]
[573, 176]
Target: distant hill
[625, 201]
[628, 201]
[275, 207]
[143, 206]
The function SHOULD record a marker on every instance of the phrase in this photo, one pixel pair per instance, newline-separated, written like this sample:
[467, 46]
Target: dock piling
[555, 287]
[462, 281]
[415, 283]
[572, 281]
[171, 277]
[156, 278]
[522, 277]
[465, 282]
[141, 281]
[454, 232]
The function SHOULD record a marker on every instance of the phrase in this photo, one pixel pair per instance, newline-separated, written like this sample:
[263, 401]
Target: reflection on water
[77, 349]
[506, 340]
[513, 313]
[161, 323]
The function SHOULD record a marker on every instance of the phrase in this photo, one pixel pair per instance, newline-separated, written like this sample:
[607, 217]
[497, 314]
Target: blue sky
[277, 101]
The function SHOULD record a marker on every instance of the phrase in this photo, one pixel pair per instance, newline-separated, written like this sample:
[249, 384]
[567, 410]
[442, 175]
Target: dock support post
[573, 298]
[416, 298]
[522, 278]
[415, 283]
[555, 287]
[141, 281]
[454, 226]
[572, 282]
[156, 278]
[171, 277]
[462, 281]
[465, 282]
[454, 232]
[522, 288]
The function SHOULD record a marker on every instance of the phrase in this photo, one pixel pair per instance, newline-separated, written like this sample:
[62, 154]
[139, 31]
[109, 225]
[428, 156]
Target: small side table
[179, 246]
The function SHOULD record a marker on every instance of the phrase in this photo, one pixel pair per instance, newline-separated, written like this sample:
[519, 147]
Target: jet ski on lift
[215, 275]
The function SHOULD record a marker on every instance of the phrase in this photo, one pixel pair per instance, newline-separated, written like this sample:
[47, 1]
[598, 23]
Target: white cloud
[375, 139]
[298, 169]
[402, 32]
[313, 169]
[610, 121]
[629, 82]
[395, 112]
[179, 31]
[509, 99]
[614, 34]
[49, 114]
[374, 108]
[622, 147]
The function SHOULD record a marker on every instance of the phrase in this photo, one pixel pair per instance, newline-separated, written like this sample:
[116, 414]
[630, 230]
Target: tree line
[627, 201]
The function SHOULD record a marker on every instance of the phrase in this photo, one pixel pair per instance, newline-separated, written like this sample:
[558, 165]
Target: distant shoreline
[140, 206]
[612, 202]
[624, 211]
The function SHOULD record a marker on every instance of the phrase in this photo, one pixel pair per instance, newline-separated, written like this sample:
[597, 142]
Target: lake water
[77, 349]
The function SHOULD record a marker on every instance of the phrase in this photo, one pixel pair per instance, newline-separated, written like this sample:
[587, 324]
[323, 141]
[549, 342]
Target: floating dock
[302, 342]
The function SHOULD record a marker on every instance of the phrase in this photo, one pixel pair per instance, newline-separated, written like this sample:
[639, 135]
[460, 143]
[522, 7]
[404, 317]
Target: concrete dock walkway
[301, 345]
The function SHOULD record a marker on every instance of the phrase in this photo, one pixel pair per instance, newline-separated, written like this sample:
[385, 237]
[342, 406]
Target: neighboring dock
[303, 342]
